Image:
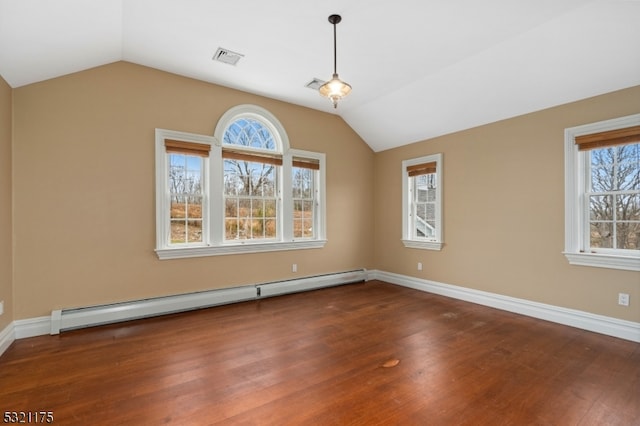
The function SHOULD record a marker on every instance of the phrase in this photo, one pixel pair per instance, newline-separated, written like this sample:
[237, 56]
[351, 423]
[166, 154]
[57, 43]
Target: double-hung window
[241, 191]
[422, 202]
[602, 197]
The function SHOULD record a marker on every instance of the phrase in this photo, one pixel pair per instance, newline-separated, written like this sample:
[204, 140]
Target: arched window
[252, 192]
[252, 152]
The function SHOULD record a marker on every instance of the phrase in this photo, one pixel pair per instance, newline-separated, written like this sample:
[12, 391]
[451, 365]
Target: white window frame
[408, 239]
[576, 219]
[213, 243]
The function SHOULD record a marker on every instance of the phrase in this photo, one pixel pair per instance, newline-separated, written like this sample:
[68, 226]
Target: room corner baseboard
[32, 327]
[21, 329]
[7, 336]
[627, 330]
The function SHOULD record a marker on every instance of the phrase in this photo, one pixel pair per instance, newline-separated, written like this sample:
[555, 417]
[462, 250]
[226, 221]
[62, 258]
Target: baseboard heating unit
[71, 319]
[310, 283]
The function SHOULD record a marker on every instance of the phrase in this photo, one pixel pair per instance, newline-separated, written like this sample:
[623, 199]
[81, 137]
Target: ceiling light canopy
[335, 89]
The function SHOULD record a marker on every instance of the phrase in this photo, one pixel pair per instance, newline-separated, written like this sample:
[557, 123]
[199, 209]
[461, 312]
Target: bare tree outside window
[303, 202]
[614, 199]
[185, 187]
[250, 186]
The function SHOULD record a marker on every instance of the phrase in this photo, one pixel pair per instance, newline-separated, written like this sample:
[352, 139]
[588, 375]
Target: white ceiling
[419, 68]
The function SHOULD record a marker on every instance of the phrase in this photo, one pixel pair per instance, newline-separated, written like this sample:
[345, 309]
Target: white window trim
[575, 220]
[320, 221]
[213, 244]
[162, 189]
[407, 239]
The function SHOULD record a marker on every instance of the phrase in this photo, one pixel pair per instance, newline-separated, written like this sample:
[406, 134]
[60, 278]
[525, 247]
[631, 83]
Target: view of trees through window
[614, 199]
[185, 186]
[303, 202]
[250, 197]
[252, 167]
[250, 183]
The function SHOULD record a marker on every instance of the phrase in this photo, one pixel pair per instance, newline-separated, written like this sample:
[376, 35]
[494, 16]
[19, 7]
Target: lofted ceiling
[419, 68]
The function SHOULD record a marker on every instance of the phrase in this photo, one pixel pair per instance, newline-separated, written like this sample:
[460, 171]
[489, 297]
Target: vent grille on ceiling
[227, 56]
[315, 84]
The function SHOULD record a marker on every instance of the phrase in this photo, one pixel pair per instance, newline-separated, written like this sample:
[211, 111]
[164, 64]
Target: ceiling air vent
[315, 84]
[227, 56]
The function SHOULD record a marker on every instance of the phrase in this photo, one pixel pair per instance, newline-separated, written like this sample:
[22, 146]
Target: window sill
[423, 245]
[597, 260]
[186, 252]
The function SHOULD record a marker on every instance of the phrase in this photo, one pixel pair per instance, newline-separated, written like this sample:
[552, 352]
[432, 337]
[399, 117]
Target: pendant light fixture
[335, 89]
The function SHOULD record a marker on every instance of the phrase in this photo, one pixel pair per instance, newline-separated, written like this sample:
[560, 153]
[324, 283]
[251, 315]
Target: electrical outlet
[623, 299]
[419, 266]
[294, 267]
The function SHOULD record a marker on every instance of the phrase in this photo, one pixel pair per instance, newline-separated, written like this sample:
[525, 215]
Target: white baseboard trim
[68, 319]
[627, 330]
[7, 336]
[32, 327]
[21, 329]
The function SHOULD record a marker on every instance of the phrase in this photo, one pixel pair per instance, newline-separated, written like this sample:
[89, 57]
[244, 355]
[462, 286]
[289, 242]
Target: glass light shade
[335, 89]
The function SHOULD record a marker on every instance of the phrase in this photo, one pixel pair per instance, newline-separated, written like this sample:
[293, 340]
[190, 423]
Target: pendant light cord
[335, 51]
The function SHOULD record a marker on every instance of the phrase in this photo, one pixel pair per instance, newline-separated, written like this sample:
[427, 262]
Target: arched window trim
[256, 113]
[213, 244]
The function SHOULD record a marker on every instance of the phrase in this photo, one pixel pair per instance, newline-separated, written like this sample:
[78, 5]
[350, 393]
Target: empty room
[348, 212]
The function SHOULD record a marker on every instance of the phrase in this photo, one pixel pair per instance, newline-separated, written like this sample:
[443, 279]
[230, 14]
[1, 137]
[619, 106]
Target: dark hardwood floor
[364, 354]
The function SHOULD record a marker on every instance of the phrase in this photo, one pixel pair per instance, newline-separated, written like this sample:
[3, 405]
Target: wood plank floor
[319, 358]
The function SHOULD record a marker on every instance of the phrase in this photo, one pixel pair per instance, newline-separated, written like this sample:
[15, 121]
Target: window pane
[250, 133]
[424, 205]
[601, 207]
[250, 218]
[307, 227]
[270, 228]
[614, 202]
[231, 207]
[257, 208]
[231, 227]
[186, 189]
[178, 209]
[628, 207]
[602, 170]
[270, 208]
[303, 202]
[628, 235]
[303, 219]
[233, 184]
[244, 210]
[425, 188]
[601, 235]
[178, 231]
[615, 168]
[431, 215]
[265, 180]
[194, 231]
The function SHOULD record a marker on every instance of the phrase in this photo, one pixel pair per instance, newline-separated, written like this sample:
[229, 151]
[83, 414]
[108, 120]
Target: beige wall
[6, 285]
[504, 211]
[84, 205]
